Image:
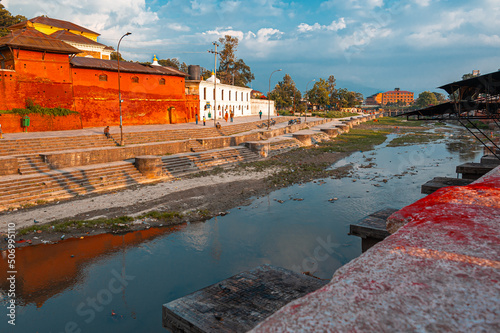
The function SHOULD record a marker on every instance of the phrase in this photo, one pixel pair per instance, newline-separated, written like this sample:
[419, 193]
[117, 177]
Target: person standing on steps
[1, 132]
[260, 114]
[204, 120]
[226, 116]
[196, 118]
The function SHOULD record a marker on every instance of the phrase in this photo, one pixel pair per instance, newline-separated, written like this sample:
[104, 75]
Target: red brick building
[44, 69]
[397, 95]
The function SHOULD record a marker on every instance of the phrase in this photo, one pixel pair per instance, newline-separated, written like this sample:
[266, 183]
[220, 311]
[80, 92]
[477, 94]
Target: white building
[228, 98]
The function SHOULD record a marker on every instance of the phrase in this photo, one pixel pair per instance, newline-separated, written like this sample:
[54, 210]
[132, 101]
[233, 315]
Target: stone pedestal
[331, 132]
[344, 128]
[149, 166]
[262, 148]
[304, 138]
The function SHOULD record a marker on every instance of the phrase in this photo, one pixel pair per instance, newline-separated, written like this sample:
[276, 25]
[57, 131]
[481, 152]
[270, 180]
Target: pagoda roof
[53, 23]
[32, 39]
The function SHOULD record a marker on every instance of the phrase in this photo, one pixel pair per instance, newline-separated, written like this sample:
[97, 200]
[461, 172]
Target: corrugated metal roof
[128, 67]
[56, 23]
[32, 39]
[71, 37]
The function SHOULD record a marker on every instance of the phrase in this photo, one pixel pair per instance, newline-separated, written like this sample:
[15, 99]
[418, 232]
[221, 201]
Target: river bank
[201, 196]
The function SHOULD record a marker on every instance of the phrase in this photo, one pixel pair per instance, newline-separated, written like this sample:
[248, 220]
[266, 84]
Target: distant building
[375, 99]
[229, 98]
[82, 38]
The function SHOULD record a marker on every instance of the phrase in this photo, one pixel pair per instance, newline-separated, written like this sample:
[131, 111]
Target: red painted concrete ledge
[438, 272]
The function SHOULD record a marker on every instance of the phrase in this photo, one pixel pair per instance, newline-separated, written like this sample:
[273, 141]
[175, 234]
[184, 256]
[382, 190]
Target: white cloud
[334, 26]
[103, 16]
[178, 27]
[358, 4]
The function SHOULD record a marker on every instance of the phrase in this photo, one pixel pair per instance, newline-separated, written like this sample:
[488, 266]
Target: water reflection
[49, 269]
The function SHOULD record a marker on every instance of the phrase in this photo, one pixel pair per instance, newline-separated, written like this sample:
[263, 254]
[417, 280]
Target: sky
[369, 46]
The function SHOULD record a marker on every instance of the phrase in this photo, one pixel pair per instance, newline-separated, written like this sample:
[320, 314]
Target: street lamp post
[307, 99]
[269, 99]
[215, 80]
[119, 90]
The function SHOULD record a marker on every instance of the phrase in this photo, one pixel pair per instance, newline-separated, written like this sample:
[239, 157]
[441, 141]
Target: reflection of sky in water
[309, 235]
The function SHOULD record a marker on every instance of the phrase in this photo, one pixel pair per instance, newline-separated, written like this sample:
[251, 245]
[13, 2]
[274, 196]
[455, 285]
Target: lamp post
[307, 99]
[269, 99]
[119, 90]
[215, 80]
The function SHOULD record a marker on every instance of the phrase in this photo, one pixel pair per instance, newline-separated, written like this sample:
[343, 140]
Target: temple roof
[128, 67]
[32, 39]
[53, 23]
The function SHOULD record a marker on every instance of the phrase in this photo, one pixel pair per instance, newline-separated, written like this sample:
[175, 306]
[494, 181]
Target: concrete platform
[439, 182]
[372, 229]
[238, 303]
[438, 272]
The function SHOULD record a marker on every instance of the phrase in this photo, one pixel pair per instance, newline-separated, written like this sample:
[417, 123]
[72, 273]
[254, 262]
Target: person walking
[196, 118]
[204, 120]
[226, 116]
[260, 114]
[231, 115]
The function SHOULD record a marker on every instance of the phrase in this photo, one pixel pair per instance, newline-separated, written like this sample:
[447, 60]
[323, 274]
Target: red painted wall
[144, 102]
[50, 81]
[11, 123]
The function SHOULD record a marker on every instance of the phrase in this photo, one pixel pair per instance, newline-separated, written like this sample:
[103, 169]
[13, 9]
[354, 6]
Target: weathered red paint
[11, 123]
[50, 81]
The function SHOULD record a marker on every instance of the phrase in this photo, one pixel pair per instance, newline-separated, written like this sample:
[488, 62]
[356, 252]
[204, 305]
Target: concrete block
[149, 166]
[8, 166]
[305, 139]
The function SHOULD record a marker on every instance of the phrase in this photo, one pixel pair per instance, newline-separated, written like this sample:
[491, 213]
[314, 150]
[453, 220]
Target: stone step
[474, 170]
[438, 182]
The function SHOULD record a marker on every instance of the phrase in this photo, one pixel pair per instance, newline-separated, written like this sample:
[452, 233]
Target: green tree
[440, 97]
[285, 93]
[230, 68]
[319, 93]
[426, 99]
[6, 20]
[349, 99]
[332, 91]
[174, 62]
[114, 56]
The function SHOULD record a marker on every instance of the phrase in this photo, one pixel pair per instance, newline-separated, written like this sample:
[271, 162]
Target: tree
[426, 99]
[6, 20]
[285, 93]
[319, 93]
[114, 56]
[332, 91]
[230, 68]
[440, 97]
[174, 62]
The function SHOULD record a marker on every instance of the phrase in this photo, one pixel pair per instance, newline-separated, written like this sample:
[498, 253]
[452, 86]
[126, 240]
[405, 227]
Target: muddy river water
[118, 283]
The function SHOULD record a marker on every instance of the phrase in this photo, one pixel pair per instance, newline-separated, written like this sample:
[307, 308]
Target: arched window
[134, 79]
[229, 94]
[162, 82]
[103, 77]
[222, 94]
[205, 93]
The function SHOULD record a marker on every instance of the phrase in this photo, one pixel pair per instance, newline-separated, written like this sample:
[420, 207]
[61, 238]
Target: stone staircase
[282, 146]
[42, 145]
[63, 184]
[196, 146]
[30, 164]
[183, 164]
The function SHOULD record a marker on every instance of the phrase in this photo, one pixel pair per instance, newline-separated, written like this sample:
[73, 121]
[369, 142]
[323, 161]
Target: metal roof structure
[53, 23]
[477, 98]
[127, 67]
[67, 36]
[32, 39]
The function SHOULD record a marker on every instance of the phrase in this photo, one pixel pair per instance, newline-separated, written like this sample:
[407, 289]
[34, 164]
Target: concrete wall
[257, 105]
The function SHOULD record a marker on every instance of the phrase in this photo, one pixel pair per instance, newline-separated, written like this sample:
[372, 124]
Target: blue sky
[368, 45]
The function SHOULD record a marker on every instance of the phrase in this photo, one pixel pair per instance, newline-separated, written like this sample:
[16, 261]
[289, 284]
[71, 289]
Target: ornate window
[103, 77]
[134, 79]
[162, 82]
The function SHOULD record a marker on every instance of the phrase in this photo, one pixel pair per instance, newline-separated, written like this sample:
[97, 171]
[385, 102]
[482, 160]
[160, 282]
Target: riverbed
[117, 283]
